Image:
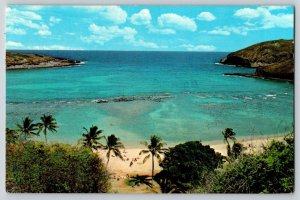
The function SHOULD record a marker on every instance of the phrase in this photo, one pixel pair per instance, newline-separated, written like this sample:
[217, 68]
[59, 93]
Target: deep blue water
[204, 100]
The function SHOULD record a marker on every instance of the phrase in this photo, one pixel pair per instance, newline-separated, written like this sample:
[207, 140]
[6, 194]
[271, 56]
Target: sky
[146, 28]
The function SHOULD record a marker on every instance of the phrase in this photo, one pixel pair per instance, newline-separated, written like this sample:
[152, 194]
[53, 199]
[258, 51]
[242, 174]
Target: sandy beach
[133, 164]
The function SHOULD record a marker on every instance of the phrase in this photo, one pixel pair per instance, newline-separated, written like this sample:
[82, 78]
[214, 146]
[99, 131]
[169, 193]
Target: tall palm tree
[114, 145]
[154, 149]
[228, 134]
[48, 124]
[27, 128]
[91, 137]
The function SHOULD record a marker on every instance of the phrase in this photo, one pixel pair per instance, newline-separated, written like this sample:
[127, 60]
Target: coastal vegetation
[36, 167]
[186, 166]
[271, 171]
[191, 167]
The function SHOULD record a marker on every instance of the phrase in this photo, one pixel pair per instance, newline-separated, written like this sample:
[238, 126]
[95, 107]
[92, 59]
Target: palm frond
[118, 153]
[146, 158]
[158, 158]
[143, 152]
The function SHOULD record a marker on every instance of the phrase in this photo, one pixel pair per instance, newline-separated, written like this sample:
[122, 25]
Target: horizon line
[115, 50]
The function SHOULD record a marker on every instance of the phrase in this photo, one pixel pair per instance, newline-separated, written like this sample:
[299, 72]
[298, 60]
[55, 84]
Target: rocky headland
[29, 61]
[272, 60]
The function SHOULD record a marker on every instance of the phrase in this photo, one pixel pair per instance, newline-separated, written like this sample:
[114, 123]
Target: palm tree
[27, 128]
[114, 145]
[91, 138]
[154, 149]
[228, 134]
[48, 123]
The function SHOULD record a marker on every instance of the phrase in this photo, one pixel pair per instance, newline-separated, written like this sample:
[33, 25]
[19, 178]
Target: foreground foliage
[271, 171]
[186, 166]
[36, 167]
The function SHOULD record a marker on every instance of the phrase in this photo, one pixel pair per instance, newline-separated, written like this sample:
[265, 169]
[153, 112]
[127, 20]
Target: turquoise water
[203, 102]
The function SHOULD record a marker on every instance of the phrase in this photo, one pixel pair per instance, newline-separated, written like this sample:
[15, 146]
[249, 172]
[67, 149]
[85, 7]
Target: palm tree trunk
[45, 133]
[228, 148]
[108, 157]
[152, 166]
[107, 161]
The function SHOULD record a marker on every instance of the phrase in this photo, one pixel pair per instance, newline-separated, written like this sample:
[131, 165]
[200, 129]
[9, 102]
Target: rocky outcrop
[28, 61]
[156, 98]
[272, 59]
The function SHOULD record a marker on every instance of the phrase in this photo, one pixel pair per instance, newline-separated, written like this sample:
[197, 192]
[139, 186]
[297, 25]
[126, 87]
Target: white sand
[121, 169]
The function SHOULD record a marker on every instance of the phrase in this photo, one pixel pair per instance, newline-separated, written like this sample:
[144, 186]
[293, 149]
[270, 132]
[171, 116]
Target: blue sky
[146, 28]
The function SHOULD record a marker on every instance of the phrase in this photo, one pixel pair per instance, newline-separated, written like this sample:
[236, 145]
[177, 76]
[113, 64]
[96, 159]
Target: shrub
[186, 166]
[269, 172]
[36, 167]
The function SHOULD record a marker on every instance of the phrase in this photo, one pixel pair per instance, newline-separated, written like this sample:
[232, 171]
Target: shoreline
[132, 165]
[259, 77]
[51, 64]
[120, 171]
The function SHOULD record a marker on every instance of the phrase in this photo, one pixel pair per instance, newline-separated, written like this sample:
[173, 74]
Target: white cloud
[141, 18]
[12, 44]
[280, 20]
[17, 18]
[171, 20]
[206, 16]
[53, 47]
[275, 7]
[191, 47]
[17, 45]
[265, 19]
[16, 31]
[228, 30]
[12, 12]
[219, 31]
[142, 43]
[256, 19]
[103, 34]
[247, 13]
[164, 31]
[43, 32]
[114, 14]
[54, 20]
[144, 18]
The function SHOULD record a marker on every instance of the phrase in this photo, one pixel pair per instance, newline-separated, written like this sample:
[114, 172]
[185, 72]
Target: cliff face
[25, 61]
[272, 59]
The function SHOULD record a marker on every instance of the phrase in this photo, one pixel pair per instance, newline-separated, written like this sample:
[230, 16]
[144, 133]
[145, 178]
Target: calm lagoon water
[204, 100]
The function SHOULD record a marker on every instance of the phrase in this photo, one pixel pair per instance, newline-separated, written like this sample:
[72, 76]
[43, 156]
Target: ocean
[202, 101]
